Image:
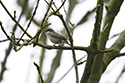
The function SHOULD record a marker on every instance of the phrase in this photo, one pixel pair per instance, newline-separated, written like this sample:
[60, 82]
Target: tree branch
[116, 47]
[39, 72]
[30, 20]
[79, 63]
[70, 38]
[43, 22]
[71, 43]
[13, 18]
[88, 75]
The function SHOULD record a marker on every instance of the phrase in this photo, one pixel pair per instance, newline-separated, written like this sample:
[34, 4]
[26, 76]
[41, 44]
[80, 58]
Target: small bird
[55, 37]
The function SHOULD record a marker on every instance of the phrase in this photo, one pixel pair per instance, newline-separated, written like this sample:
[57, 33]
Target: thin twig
[15, 20]
[15, 39]
[70, 38]
[43, 22]
[10, 46]
[60, 6]
[30, 20]
[4, 40]
[67, 15]
[55, 5]
[70, 69]
[48, 4]
[5, 32]
[72, 47]
[73, 25]
[38, 69]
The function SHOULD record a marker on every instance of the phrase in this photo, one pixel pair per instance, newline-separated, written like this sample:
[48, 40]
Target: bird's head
[49, 31]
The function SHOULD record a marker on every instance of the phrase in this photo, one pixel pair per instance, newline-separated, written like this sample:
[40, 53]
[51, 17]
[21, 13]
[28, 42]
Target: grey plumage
[55, 37]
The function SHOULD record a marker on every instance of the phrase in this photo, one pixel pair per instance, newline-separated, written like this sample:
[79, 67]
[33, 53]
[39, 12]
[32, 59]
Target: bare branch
[71, 68]
[13, 18]
[30, 21]
[70, 38]
[43, 21]
[38, 69]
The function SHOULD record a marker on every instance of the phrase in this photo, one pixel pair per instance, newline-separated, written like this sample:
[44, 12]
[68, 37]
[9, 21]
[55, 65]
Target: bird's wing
[56, 35]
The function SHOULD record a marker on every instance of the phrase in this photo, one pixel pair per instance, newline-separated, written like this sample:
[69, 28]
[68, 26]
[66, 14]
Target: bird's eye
[50, 32]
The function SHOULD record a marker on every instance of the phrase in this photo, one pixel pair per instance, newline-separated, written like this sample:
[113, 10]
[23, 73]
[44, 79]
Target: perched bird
[55, 37]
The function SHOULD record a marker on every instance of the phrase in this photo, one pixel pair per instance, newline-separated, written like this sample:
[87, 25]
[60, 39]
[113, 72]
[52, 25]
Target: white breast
[52, 39]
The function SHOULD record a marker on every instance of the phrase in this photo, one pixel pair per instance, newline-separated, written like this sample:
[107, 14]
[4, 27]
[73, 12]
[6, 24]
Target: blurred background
[18, 67]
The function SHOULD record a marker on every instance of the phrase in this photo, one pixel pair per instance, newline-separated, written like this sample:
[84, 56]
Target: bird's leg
[54, 45]
[60, 44]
